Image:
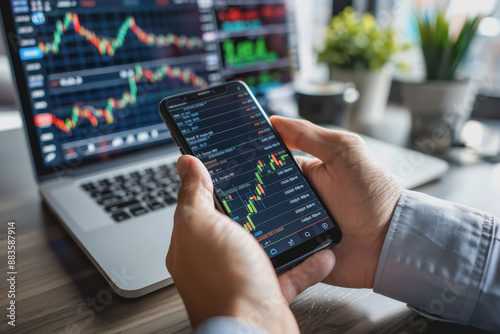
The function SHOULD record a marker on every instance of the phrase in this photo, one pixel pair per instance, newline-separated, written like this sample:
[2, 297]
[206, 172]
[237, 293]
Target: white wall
[313, 17]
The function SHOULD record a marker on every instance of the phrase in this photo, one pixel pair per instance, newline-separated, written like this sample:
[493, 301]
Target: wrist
[393, 197]
[282, 322]
[271, 315]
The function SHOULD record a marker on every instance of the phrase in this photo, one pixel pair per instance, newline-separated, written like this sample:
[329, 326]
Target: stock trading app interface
[256, 180]
[96, 70]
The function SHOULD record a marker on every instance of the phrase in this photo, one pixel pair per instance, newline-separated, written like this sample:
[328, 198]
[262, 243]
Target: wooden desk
[59, 291]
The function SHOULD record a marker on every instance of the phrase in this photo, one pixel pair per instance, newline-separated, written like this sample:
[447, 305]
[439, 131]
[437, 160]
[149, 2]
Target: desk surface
[58, 290]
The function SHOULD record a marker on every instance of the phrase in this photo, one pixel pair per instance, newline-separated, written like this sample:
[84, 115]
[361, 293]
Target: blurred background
[366, 93]
[422, 97]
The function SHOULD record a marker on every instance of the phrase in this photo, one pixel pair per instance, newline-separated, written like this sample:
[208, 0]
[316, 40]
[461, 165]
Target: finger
[308, 137]
[306, 163]
[196, 185]
[196, 169]
[311, 271]
[301, 160]
[194, 204]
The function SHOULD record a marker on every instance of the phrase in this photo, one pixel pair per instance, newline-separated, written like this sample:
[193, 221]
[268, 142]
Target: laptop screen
[94, 71]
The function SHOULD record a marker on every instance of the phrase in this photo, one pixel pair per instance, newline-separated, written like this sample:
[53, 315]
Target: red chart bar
[44, 120]
[275, 161]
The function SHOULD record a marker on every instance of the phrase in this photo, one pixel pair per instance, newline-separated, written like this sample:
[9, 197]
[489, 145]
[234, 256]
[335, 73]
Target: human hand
[358, 193]
[221, 270]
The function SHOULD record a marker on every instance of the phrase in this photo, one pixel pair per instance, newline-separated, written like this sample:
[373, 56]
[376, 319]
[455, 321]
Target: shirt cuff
[434, 256]
[226, 325]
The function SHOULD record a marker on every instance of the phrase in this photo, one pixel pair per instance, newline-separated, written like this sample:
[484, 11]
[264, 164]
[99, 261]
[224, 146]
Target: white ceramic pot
[373, 88]
[439, 111]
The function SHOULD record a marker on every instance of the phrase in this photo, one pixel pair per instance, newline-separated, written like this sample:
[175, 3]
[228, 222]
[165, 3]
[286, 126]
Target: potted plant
[358, 50]
[441, 104]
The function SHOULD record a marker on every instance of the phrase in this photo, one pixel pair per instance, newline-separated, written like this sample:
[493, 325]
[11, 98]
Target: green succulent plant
[443, 54]
[358, 43]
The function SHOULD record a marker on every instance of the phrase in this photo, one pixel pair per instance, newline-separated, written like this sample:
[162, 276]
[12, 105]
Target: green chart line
[253, 206]
[251, 222]
[95, 114]
[108, 46]
[226, 206]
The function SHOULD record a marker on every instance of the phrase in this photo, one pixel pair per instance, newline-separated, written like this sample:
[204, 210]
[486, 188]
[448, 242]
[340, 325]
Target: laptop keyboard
[137, 193]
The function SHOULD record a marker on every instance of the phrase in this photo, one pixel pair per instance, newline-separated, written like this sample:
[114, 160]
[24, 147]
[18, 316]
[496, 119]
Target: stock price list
[257, 182]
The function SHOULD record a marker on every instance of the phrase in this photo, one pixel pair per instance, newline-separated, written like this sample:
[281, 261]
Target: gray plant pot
[439, 110]
[373, 88]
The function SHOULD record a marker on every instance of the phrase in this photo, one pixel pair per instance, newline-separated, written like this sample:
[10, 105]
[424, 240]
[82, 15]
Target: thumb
[196, 185]
[311, 271]
[308, 137]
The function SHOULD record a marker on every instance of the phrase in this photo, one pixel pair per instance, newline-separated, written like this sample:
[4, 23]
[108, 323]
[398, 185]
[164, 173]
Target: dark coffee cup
[327, 103]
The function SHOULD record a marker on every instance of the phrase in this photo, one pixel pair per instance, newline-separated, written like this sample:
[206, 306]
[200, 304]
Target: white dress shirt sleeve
[443, 260]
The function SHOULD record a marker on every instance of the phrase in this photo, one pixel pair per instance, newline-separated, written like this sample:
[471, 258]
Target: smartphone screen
[256, 180]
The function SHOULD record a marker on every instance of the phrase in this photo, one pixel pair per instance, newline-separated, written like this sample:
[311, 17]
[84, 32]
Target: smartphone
[257, 182]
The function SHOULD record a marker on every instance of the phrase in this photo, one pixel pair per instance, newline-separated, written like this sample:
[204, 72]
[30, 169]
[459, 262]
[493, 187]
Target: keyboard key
[121, 178]
[120, 216]
[87, 186]
[109, 200]
[169, 200]
[105, 193]
[130, 183]
[138, 211]
[95, 193]
[137, 175]
[155, 206]
[121, 205]
[104, 182]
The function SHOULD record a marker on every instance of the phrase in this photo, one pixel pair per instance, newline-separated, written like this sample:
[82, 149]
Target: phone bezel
[295, 255]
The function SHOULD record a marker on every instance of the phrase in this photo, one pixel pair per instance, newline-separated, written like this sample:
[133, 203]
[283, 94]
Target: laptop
[90, 75]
